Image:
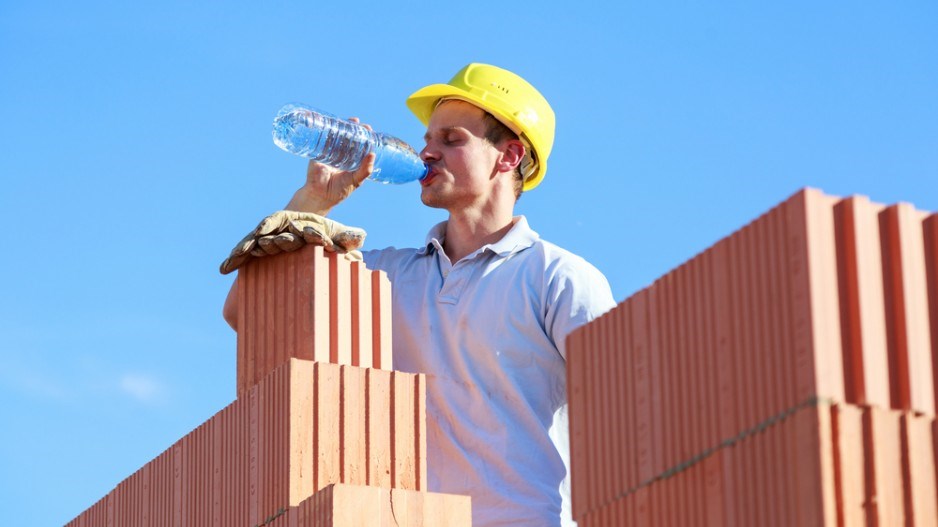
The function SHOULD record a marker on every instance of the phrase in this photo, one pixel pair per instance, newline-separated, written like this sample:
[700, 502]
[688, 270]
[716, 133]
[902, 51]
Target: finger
[244, 246]
[233, 262]
[319, 225]
[349, 239]
[358, 121]
[365, 170]
[288, 242]
[268, 245]
[314, 237]
[272, 224]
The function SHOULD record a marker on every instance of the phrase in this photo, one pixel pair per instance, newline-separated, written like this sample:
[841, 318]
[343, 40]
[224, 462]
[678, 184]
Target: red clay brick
[578, 414]
[907, 321]
[360, 292]
[284, 439]
[312, 305]
[340, 505]
[863, 328]
[930, 231]
[919, 457]
[884, 484]
[381, 321]
[850, 473]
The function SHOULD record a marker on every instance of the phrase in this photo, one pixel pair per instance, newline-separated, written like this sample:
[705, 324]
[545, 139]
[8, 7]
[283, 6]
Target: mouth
[429, 178]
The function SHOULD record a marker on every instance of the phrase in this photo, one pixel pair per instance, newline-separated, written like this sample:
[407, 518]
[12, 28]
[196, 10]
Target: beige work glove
[288, 230]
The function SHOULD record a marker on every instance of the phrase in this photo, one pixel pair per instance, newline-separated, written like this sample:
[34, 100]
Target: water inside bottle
[342, 144]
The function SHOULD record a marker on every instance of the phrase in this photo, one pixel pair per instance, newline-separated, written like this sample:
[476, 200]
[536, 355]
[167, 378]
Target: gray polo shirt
[489, 332]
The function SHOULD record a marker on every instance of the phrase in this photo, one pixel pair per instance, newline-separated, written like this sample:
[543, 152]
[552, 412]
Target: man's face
[461, 160]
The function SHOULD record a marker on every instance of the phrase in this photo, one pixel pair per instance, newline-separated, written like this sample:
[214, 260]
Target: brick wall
[784, 376]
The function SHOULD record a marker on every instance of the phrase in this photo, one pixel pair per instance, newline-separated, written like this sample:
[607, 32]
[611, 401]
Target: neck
[466, 232]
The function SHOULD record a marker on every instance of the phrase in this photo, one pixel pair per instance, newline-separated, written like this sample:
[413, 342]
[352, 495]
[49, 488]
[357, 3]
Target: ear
[511, 157]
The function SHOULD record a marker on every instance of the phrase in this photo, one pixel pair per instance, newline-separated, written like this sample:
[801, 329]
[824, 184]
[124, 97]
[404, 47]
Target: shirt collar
[434, 239]
[519, 237]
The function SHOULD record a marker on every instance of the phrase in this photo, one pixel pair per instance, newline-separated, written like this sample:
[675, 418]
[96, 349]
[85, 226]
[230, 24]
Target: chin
[431, 200]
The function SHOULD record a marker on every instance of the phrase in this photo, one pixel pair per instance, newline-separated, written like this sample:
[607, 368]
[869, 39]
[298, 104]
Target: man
[484, 307]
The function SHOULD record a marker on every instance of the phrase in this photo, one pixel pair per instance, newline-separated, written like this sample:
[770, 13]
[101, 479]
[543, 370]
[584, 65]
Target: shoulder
[567, 279]
[561, 265]
[389, 259]
[574, 290]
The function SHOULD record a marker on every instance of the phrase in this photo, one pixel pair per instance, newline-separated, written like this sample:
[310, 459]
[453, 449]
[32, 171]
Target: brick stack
[785, 376]
[318, 436]
[314, 306]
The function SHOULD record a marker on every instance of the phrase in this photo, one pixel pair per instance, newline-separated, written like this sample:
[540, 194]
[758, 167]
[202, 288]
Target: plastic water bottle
[342, 144]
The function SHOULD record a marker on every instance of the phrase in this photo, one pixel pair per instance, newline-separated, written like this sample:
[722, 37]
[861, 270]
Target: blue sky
[137, 151]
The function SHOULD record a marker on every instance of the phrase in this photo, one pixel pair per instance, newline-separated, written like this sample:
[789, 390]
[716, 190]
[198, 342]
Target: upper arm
[577, 293]
[230, 311]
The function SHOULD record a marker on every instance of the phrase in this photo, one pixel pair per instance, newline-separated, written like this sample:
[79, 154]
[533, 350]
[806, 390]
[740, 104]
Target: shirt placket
[455, 277]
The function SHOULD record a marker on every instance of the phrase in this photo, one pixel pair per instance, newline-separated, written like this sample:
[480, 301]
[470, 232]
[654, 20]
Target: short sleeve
[577, 293]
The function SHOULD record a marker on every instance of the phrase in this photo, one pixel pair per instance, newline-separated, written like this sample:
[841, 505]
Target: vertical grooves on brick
[786, 372]
[921, 380]
[930, 232]
[317, 432]
[678, 393]
[906, 470]
[353, 425]
[379, 429]
[578, 445]
[369, 439]
[619, 410]
[765, 358]
[895, 310]
[595, 420]
[698, 370]
[870, 470]
[339, 310]
[605, 442]
[592, 491]
[252, 476]
[642, 378]
[685, 358]
[848, 286]
[355, 309]
[799, 283]
[775, 375]
[381, 320]
[420, 433]
[921, 453]
[320, 307]
[392, 413]
[704, 380]
[308, 271]
[741, 378]
[264, 328]
[343, 423]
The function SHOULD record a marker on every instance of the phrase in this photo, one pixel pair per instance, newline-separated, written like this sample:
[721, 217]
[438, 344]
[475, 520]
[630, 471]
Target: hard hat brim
[423, 101]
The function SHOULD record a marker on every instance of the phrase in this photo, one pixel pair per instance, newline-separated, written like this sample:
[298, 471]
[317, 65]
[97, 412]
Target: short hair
[496, 132]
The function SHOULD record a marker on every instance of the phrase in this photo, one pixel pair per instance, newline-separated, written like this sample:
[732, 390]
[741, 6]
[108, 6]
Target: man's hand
[325, 186]
[288, 230]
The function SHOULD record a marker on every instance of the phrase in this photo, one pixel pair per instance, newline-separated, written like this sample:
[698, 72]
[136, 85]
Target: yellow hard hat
[509, 98]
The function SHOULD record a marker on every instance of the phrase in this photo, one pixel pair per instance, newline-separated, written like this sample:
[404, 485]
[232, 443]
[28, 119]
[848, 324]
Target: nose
[429, 154]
